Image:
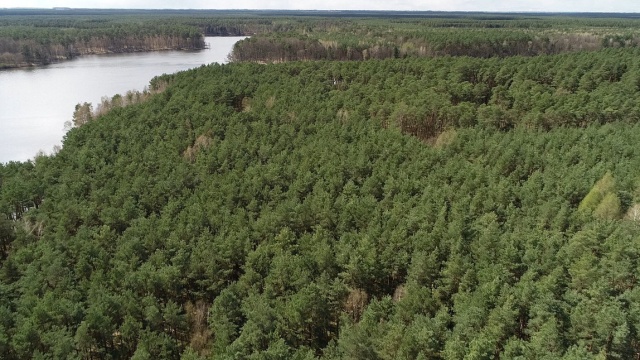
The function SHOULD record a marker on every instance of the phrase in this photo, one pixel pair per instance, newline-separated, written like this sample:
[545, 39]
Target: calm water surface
[35, 103]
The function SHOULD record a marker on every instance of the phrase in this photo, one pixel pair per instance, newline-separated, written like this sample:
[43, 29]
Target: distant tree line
[24, 44]
[365, 41]
[34, 37]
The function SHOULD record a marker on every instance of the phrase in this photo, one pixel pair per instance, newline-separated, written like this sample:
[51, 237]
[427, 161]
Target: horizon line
[333, 10]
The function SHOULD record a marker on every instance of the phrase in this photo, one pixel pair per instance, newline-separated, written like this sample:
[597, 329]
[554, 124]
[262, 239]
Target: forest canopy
[441, 207]
[37, 36]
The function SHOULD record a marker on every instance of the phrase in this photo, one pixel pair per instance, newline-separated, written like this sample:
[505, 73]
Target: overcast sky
[438, 5]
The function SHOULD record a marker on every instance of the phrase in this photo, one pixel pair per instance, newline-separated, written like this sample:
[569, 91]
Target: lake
[35, 103]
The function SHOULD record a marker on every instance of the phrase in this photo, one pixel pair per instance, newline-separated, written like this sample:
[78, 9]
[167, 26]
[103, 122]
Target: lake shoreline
[37, 101]
[31, 65]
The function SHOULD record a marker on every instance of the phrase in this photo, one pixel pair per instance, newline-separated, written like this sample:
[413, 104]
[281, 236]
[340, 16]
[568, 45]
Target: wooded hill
[442, 208]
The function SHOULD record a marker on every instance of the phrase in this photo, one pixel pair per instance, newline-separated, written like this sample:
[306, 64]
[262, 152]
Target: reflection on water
[35, 103]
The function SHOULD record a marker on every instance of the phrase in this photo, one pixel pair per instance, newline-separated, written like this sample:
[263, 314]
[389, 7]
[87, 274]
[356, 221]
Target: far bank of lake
[35, 103]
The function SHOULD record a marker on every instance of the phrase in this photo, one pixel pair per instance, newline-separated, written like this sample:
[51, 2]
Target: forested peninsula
[411, 207]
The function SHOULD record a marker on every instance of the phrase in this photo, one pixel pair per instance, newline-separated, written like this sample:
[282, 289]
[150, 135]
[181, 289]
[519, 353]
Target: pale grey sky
[438, 5]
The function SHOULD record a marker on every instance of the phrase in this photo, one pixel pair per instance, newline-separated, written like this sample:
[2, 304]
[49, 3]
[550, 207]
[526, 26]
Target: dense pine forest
[411, 207]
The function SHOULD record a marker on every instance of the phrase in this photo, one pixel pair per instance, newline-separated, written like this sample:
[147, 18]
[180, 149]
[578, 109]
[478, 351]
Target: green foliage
[609, 207]
[602, 200]
[321, 222]
[431, 35]
[602, 188]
